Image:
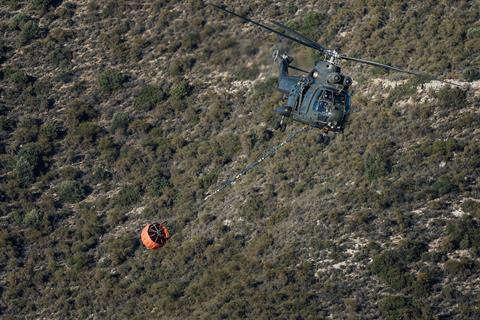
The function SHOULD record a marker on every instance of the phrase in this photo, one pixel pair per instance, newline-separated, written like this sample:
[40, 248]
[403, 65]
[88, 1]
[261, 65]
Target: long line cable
[269, 153]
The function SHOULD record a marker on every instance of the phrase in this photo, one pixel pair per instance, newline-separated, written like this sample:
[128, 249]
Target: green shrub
[79, 111]
[157, 185]
[178, 67]
[45, 5]
[70, 173]
[376, 165]
[25, 172]
[149, 97]
[462, 267]
[18, 21]
[402, 91]
[445, 148]
[27, 130]
[29, 31]
[443, 185]
[115, 216]
[79, 260]
[108, 149]
[111, 80]
[391, 265]
[19, 77]
[85, 132]
[472, 207]
[128, 196]
[50, 131]
[28, 165]
[191, 40]
[391, 269]
[246, 73]
[312, 21]
[70, 191]
[449, 98]
[471, 74]
[464, 233]
[61, 56]
[398, 308]
[180, 91]
[411, 250]
[120, 121]
[33, 218]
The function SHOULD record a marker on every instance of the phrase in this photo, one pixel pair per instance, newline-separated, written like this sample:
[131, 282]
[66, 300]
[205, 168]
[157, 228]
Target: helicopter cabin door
[307, 101]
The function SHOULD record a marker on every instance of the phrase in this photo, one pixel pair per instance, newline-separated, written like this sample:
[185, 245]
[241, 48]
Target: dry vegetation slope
[118, 113]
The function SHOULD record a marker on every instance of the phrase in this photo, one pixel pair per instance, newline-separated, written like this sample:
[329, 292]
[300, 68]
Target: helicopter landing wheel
[326, 140]
[320, 139]
[281, 125]
[323, 139]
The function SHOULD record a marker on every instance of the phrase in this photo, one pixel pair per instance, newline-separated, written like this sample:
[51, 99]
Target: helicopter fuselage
[320, 99]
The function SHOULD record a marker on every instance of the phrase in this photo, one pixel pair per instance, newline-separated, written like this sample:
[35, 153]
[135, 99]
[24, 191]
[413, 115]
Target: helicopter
[320, 98]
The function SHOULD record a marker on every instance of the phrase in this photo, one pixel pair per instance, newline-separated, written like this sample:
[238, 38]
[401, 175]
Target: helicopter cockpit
[331, 106]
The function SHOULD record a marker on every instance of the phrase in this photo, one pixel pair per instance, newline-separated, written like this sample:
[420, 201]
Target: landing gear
[281, 125]
[323, 138]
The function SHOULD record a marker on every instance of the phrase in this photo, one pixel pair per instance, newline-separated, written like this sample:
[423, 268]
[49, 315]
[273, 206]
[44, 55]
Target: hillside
[114, 114]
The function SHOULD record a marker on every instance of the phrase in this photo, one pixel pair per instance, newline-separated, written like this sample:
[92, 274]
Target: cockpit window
[339, 97]
[327, 95]
[320, 106]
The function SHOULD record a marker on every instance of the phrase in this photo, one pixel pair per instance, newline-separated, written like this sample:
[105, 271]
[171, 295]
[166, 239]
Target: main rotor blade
[388, 67]
[378, 64]
[265, 27]
[298, 69]
[300, 36]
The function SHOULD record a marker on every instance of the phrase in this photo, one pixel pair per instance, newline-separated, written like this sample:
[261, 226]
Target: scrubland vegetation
[118, 113]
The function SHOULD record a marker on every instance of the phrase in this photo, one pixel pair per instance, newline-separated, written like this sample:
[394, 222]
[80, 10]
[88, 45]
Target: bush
[70, 191]
[27, 130]
[472, 207]
[464, 233]
[462, 267]
[398, 307]
[120, 121]
[25, 172]
[29, 31]
[61, 56]
[45, 5]
[191, 41]
[157, 185]
[110, 81]
[376, 165]
[401, 91]
[149, 97]
[85, 132]
[391, 269]
[180, 66]
[19, 77]
[450, 98]
[79, 111]
[471, 74]
[180, 91]
[18, 21]
[28, 164]
[128, 195]
[391, 266]
[50, 131]
[246, 73]
[443, 186]
[108, 149]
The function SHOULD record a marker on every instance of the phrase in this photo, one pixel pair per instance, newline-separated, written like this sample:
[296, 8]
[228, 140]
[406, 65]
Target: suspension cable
[269, 153]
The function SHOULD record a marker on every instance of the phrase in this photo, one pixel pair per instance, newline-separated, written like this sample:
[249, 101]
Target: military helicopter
[321, 98]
